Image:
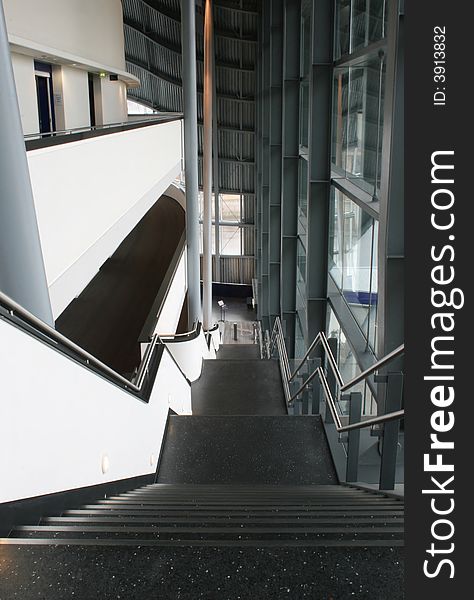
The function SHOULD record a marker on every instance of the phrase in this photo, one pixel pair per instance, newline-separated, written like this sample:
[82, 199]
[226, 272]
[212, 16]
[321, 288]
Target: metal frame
[277, 340]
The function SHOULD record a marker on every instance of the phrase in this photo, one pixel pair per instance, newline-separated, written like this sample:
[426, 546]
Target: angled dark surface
[243, 449]
[107, 317]
[134, 573]
[238, 352]
[238, 387]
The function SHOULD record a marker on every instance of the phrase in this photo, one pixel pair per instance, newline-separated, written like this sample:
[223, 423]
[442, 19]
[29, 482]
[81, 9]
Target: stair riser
[218, 535]
[209, 543]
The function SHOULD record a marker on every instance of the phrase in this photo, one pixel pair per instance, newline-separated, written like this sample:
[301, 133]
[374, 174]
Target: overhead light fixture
[102, 74]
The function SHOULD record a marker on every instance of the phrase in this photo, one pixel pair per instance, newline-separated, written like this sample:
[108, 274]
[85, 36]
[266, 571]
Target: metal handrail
[16, 309]
[278, 339]
[156, 119]
[260, 336]
[399, 414]
[171, 336]
[375, 367]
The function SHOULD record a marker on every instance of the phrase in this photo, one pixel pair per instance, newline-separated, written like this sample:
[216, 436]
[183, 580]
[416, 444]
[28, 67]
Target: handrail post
[393, 402]
[332, 343]
[353, 443]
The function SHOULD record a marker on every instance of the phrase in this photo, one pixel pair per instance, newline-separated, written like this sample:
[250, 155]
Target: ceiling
[153, 54]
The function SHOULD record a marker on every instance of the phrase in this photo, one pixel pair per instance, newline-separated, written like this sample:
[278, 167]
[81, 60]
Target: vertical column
[265, 124]
[319, 164]
[215, 167]
[289, 174]
[22, 273]
[188, 33]
[207, 171]
[276, 81]
[390, 310]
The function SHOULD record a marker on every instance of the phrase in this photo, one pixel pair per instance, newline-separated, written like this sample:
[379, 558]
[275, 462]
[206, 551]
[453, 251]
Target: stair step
[178, 521]
[349, 512]
[307, 543]
[216, 534]
[227, 503]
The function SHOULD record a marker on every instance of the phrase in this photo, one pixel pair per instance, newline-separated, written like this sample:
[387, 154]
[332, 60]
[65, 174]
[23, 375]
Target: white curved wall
[91, 30]
[90, 194]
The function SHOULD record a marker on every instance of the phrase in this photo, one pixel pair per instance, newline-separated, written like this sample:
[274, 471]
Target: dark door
[92, 100]
[45, 98]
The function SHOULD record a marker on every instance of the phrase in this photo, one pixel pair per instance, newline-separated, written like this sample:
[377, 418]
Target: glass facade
[358, 100]
[339, 199]
[348, 365]
[231, 222]
[358, 24]
[353, 238]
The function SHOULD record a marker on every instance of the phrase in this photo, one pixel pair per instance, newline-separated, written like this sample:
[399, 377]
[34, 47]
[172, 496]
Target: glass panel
[304, 113]
[230, 240]
[335, 237]
[373, 302]
[358, 24]
[230, 207]
[343, 20]
[357, 261]
[301, 265]
[353, 239]
[201, 206]
[358, 122]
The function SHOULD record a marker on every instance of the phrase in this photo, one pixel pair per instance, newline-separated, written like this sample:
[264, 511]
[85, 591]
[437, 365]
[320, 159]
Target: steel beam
[390, 310]
[275, 143]
[265, 105]
[319, 164]
[289, 171]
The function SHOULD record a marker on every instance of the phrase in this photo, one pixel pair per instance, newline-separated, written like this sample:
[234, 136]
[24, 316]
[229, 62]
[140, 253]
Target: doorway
[45, 98]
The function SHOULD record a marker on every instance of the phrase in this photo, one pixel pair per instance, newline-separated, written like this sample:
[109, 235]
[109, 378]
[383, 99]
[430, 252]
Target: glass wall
[353, 237]
[347, 363]
[358, 99]
[230, 222]
[359, 23]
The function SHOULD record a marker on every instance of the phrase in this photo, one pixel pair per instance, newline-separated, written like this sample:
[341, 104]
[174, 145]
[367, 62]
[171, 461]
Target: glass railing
[314, 385]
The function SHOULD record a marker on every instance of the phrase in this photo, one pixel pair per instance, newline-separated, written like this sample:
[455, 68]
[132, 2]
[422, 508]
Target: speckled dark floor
[265, 450]
[238, 352]
[238, 387]
[89, 573]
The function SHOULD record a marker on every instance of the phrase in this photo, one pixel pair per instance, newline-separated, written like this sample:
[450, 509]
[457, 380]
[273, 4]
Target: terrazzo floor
[127, 573]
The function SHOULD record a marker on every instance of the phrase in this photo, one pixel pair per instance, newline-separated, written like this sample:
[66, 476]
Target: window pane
[353, 239]
[230, 207]
[358, 24]
[358, 122]
[336, 236]
[201, 206]
[230, 240]
[357, 262]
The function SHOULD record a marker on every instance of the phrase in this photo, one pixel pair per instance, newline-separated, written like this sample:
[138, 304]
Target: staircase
[228, 515]
[246, 504]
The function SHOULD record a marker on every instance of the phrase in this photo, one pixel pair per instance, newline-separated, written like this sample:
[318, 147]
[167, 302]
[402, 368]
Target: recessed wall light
[105, 463]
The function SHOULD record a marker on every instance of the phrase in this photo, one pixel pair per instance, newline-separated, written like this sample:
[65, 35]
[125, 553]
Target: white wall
[91, 30]
[60, 419]
[90, 194]
[189, 355]
[111, 101]
[171, 311]
[24, 71]
[75, 96]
